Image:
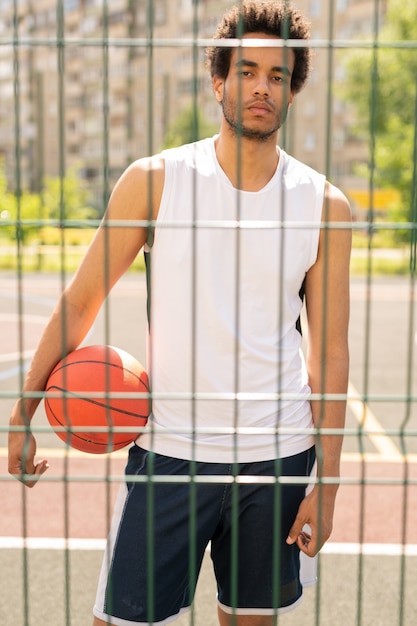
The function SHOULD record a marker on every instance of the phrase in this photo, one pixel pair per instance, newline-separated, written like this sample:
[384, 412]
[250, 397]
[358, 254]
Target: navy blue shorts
[163, 522]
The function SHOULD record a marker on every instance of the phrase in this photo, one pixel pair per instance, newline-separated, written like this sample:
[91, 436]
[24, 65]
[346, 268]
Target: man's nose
[262, 87]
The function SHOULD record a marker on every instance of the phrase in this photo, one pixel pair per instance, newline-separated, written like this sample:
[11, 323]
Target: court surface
[368, 569]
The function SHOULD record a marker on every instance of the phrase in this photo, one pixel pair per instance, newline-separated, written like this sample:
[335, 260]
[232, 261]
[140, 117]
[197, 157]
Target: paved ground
[47, 585]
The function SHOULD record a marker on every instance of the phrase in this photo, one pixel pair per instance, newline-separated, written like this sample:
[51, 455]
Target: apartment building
[323, 121]
[95, 84]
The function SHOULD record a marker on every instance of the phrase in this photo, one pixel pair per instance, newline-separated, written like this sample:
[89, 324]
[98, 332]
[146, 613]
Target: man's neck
[248, 163]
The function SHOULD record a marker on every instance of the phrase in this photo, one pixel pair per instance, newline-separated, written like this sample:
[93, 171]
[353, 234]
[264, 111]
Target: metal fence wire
[86, 88]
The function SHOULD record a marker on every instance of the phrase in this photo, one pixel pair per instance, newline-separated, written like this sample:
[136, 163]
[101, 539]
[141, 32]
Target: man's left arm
[327, 304]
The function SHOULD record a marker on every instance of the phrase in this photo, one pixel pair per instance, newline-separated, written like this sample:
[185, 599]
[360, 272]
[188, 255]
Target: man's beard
[241, 130]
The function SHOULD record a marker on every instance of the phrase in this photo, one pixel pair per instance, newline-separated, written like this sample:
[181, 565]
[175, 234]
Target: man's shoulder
[145, 165]
[337, 204]
[135, 180]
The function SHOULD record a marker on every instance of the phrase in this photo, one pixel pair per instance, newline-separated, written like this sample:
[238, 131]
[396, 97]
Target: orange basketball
[101, 388]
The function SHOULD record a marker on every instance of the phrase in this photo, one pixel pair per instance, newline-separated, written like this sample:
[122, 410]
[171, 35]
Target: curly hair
[268, 17]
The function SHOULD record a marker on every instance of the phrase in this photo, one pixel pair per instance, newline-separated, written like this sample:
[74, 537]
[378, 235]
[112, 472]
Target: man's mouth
[259, 108]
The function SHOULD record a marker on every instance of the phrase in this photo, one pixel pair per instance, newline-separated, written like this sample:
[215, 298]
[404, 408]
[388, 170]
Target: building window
[310, 108]
[71, 5]
[315, 9]
[310, 142]
[160, 12]
[119, 17]
[338, 138]
[342, 5]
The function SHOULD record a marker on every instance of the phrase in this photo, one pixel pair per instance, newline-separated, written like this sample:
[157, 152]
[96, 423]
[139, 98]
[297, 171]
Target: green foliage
[14, 210]
[382, 85]
[23, 215]
[189, 126]
[66, 199]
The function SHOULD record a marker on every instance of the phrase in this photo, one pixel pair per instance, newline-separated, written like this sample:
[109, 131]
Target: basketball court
[52, 537]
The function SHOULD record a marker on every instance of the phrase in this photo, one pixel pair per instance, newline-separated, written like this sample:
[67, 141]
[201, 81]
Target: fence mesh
[87, 87]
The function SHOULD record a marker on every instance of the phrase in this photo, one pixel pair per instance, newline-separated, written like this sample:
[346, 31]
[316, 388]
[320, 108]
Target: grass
[52, 260]
[375, 256]
[51, 257]
[360, 266]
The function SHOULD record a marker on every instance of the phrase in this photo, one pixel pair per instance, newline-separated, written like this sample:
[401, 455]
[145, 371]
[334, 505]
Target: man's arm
[327, 304]
[109, 255]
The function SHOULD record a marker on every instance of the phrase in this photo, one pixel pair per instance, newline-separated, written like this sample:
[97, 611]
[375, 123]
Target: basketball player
[236, 244]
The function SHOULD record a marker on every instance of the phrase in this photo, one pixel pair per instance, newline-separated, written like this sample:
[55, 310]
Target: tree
[66, 199]
[24, 214]
[189, 126]
[16, 209]
[386, 102]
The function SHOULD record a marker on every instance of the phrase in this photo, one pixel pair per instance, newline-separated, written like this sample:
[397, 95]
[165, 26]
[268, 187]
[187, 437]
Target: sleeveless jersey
[226, 267]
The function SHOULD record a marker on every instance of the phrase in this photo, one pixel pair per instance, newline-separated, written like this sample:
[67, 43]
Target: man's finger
[31, 476]
[306, 544]
[295, 531]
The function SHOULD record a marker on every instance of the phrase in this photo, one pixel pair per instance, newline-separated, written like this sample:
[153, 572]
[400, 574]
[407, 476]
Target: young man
[237, 239]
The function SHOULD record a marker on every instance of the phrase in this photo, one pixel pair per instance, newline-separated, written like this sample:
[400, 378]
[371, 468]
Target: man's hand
[22, 450]
[316, 510]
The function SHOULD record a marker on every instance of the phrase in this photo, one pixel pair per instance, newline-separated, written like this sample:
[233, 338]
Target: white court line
[12, 318]
[372, 428]
[72, 453]
[24, 317]
[375, 457]
[51, 543]
[60, 543]
[370, 549]
[15, 356]
[367, 420]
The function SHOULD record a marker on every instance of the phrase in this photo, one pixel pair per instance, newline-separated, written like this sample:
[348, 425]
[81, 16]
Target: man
[237, 240]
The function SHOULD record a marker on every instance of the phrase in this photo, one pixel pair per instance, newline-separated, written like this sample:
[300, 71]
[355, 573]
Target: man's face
[256, 94]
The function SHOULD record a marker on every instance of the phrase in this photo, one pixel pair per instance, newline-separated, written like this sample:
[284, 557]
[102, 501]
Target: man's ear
[218, 88]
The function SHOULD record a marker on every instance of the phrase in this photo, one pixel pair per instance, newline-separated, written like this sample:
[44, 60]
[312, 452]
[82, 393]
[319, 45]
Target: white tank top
[227, 372]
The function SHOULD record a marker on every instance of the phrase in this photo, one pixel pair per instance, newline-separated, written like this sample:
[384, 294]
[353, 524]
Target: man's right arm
[135, 200]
